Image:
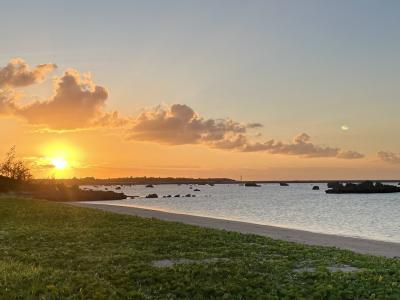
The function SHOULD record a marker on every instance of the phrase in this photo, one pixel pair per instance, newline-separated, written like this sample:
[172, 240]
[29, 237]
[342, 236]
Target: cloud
[301, 146]
[350, 155]
[77, 103]
[7, 102]
[389, 157]
[179, 124]
[18, 74]
[254, 125]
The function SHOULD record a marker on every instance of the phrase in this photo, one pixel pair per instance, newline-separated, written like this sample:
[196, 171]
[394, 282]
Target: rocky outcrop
[366, 187]
[152, 196]
[252, 184]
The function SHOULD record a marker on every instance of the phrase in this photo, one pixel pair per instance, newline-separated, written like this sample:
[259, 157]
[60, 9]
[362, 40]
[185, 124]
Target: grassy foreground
[52, 251]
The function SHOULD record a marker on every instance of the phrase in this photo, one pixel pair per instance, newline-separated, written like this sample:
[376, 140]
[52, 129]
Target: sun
[59, 159]
[59, 163]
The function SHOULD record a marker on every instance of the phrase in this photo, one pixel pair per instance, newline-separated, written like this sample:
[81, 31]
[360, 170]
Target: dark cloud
[18, 74]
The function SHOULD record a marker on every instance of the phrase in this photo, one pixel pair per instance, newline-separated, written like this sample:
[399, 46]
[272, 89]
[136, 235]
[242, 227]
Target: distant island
[141, 181]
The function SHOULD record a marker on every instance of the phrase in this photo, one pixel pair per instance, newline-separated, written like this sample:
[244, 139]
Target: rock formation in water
[251, 184]
[152, 196]
[366, 187]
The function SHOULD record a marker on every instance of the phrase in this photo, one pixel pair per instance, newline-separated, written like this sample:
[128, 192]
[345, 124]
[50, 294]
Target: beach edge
[363, 246]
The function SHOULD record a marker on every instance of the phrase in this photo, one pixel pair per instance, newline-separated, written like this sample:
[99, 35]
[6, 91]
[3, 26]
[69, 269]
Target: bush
[13, 168]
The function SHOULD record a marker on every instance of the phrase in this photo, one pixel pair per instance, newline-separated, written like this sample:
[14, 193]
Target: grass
[52, 251]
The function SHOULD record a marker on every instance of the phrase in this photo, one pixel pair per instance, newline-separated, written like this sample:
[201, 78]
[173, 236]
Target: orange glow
[59, 163]
[58, 159]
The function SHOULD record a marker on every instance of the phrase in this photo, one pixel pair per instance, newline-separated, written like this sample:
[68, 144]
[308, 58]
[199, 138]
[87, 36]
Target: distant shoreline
[365, 246]
[200, 181]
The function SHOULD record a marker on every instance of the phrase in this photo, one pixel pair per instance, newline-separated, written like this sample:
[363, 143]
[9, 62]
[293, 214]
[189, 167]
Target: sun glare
[59, 163]
[61, 157]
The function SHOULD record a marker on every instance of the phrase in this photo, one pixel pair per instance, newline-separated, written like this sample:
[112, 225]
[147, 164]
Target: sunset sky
[262, 89]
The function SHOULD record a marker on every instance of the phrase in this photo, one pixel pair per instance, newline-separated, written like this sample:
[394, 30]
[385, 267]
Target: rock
[251, 184]
[366, 187]
[149, 186]
[177, 196]
[333, 184]
[188, 195]
[118, 188]
[196, 190]
[315, 188]
[283, 184]
[152, 196]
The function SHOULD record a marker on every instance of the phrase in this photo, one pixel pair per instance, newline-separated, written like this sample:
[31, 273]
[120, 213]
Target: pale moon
[344, 127]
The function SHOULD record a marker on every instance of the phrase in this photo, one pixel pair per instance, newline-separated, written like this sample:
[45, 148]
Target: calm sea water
[373, 216]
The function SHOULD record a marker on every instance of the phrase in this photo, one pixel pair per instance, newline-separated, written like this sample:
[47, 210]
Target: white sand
[299, 236]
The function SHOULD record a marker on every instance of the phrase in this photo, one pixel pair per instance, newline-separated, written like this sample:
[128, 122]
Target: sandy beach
[365, 246]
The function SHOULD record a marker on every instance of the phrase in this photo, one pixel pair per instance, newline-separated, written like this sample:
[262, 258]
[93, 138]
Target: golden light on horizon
[59, 159]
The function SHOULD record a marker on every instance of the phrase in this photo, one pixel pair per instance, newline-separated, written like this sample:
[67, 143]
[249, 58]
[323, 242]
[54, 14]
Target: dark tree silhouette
[14, 168]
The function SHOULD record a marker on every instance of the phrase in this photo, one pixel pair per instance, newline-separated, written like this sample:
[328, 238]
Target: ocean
[297, 206]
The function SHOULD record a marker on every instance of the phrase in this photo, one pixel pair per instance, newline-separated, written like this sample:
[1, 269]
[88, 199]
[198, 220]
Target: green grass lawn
[52, 251]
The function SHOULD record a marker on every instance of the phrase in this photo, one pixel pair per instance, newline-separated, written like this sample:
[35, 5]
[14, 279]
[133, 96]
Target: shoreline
[364, 246]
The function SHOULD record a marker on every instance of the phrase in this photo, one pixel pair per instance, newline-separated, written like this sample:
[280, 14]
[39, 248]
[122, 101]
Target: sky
[261, 89]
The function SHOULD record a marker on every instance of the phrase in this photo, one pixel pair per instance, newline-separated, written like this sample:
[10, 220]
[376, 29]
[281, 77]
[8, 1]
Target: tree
[14, 168]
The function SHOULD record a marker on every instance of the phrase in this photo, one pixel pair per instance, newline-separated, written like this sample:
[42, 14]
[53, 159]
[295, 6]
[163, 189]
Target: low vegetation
[57, 251]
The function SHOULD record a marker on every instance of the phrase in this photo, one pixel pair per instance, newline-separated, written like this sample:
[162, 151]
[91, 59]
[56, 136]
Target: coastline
[364, 246]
